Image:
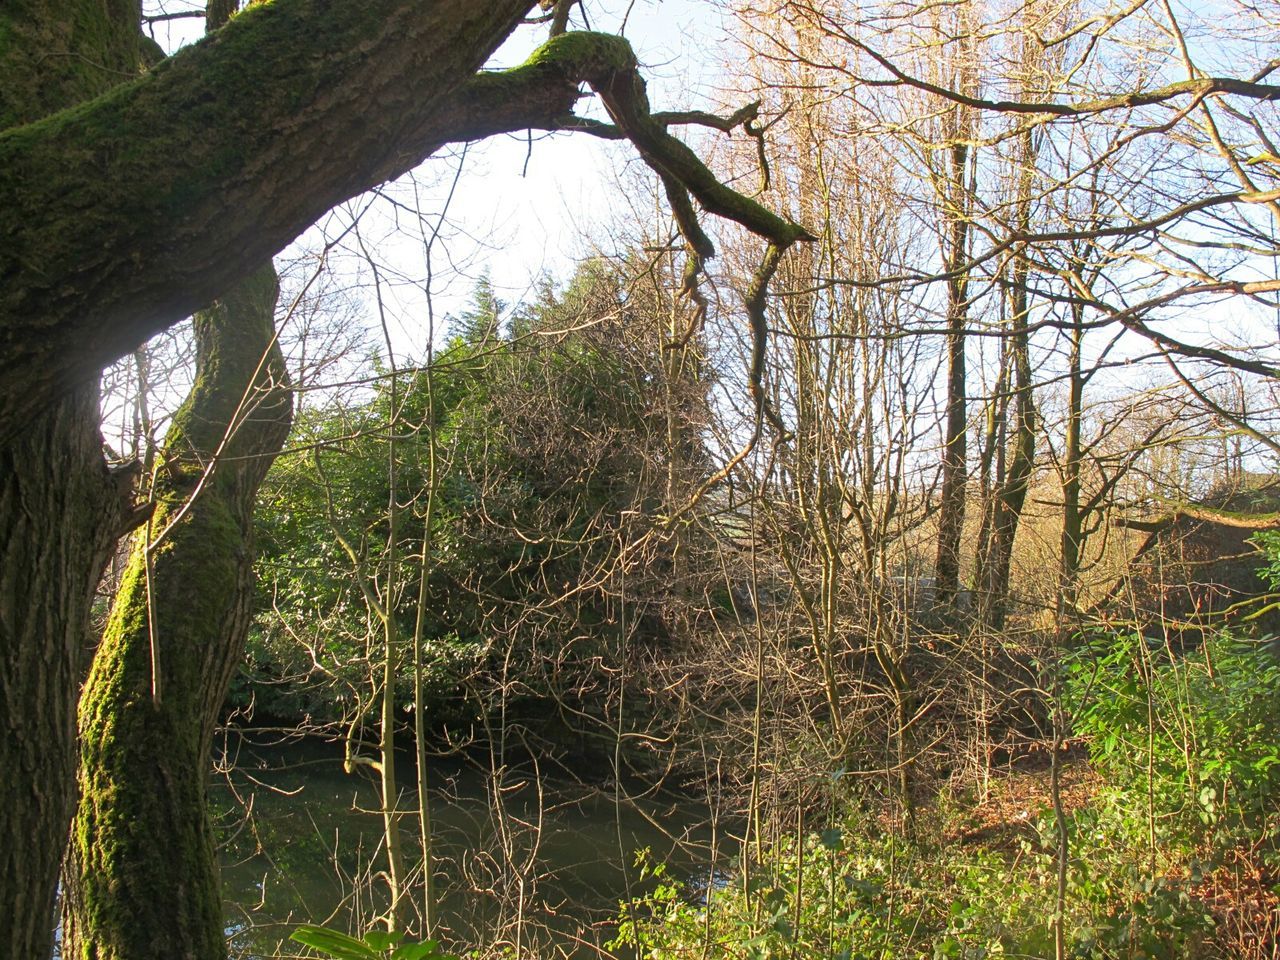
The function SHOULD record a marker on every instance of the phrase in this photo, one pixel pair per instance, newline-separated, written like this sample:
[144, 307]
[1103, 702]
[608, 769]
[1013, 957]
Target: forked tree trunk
[141, 878]
[61, 510]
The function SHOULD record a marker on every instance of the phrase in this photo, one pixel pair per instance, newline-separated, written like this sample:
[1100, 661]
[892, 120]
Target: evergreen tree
[481, 322]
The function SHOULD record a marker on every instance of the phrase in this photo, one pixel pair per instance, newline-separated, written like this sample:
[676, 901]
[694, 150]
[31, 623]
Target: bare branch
[1198, 88]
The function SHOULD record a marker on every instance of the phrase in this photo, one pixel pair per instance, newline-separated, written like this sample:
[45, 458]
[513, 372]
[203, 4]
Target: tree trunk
[1010, 495]
[60, 510]
[1072, 515]
[141, 878]
[951, 505]
[992, 470]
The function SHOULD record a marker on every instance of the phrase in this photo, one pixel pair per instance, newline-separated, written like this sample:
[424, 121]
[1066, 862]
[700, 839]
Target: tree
[121, 215]
[141, 876]
[61, 510]
[184, 202]
[1015, 458]
[141, 872]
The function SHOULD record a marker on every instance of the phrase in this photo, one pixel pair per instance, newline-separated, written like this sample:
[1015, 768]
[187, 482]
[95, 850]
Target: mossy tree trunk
[61, 508]
[141, 878]
[60, 513]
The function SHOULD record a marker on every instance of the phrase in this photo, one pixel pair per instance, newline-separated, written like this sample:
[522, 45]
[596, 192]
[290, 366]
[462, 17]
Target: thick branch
[669, 118]
[114, 227]
[129, 212]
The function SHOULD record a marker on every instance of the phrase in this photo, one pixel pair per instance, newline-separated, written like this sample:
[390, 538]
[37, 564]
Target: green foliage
[376, 945]
[1188, 745]
[1269, 543]
[844, 894]
[549, 439]
[479, 324]
[1193, 739]
[309, 652]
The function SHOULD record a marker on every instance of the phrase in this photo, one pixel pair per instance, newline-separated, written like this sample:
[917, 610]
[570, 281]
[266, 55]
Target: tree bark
[141, 879]
[61, 509]
[951, 504]
[995, 552]
[1010, 496]
[55, 53]
[122, 216]
[1072, 515]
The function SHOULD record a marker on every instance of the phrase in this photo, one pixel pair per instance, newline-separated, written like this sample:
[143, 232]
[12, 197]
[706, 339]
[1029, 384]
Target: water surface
[532, 862]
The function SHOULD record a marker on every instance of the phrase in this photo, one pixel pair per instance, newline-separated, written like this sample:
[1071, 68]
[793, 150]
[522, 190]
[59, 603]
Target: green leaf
[337, 945]
[426, 950]
[832, 838]
[947, 948]
[381, 940]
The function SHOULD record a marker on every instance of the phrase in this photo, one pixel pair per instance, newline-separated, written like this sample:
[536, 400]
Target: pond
[533, 863]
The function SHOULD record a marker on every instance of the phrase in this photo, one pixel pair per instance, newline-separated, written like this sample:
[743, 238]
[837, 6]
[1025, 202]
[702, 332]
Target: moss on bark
[142, 877]
[122, 215]
[54, 54]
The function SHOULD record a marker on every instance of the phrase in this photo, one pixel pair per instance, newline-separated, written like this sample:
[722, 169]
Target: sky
[536, 205]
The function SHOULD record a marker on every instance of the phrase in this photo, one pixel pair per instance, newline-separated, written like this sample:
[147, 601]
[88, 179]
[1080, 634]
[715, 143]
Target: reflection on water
[536, 865]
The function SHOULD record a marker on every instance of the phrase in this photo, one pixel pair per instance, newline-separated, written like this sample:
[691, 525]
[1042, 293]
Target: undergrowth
[1174, 855]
